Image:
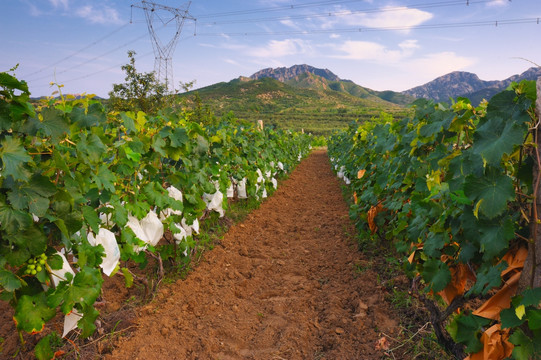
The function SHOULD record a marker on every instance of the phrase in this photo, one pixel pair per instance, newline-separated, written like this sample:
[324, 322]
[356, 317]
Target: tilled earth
[281, 285]
[287, 283]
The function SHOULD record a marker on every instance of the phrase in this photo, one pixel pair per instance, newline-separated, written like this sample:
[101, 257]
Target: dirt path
[281, 285]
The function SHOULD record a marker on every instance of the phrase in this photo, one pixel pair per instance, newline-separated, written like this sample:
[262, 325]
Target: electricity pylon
[163, 51]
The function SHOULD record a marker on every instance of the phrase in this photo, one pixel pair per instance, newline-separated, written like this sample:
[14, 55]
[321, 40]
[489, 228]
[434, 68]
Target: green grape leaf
[32, 312]
[531, 297]
[43, 349]
[158, 144]
[509, 318]
[55, 262]
[129, 123]
[487, 278]
[91, 147]
[497, 137]
[468, 331]
[59, 162]
[33, 239]
[495, 237]
[433, 244]
[128, 277]
[179, 137]
[14, 156]
[524, 348]
[91, 218]
[13, 220]
[508, 106]
[54, 124]
[494, 191]
[86, 323]
[105, 178]
[84, 289]
[437, 274]
[534, 319]
[9, 280]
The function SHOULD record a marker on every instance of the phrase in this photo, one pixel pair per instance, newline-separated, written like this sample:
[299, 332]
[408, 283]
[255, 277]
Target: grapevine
[83, 191]
[451, 187]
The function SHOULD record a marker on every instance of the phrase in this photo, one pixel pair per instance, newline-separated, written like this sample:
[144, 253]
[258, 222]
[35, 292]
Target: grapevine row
[451, 187]
[81, 189]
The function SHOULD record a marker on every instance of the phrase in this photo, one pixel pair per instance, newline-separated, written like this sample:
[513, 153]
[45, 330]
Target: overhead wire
[317, 4]
[94, 58]
[78, 51]
[494, 23]
[346, 12]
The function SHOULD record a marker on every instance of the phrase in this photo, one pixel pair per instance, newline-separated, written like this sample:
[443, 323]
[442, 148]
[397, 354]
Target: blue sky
[380, 44]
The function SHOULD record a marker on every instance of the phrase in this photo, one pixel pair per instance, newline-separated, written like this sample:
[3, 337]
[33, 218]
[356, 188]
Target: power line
[103, 70]
[494, 23]
[346, 12]
[78, 51]
[318, 4]
[93, 59]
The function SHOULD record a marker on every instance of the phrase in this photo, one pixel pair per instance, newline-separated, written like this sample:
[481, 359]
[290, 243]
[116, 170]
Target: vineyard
[84, 191]
[88, 194]
[456, 190]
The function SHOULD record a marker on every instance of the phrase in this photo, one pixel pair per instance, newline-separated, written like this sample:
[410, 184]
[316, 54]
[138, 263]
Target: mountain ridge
[324, 79]
[466, 84]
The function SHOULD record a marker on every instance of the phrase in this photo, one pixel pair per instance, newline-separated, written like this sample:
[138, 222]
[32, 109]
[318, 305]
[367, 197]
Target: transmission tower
[163, 51]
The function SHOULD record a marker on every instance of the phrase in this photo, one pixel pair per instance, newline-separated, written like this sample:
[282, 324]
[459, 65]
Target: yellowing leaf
[361, 173]
[141, 120]
[433, 179]
[520, 311]
[476, 210]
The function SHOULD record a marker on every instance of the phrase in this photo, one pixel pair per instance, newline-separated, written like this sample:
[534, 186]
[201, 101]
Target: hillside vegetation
[310, 103]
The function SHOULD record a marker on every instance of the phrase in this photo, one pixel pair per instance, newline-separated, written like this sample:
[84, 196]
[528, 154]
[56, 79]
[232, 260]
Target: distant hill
[284, 74]
[312, 104]
[460, 83]
[308, 77]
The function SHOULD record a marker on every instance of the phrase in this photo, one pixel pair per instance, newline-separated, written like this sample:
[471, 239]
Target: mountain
[308, 77]
[284, 74]
[460, 83]
[312, 104]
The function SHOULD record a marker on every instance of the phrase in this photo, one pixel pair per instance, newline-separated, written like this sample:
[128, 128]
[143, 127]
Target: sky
[379, 44]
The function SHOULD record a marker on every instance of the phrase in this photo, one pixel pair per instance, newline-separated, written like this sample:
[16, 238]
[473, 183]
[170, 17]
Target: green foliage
[140, 92]
[70, 171]
[283, 106]
[453, 182]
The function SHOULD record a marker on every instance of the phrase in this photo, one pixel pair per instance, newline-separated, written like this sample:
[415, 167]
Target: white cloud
[232, 62]
[290, 23]
[104, 15]
[280, 48]
[372, 51]
[400, 17]
[498, 3]
[437, 64]
[57, 3]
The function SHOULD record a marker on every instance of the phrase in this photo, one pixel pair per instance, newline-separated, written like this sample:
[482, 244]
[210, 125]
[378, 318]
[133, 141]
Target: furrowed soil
[286, 283]
[280, 285]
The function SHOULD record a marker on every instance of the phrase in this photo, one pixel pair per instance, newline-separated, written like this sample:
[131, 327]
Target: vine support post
[531, 274]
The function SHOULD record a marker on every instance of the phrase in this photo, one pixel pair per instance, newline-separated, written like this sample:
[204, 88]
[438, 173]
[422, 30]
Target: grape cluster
[35, 265]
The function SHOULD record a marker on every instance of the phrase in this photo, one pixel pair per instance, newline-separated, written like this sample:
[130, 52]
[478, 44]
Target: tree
[141, 91]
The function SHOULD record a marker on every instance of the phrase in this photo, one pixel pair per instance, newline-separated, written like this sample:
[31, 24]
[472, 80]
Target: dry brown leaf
[383, 344]
[360, 174]
[372, 213]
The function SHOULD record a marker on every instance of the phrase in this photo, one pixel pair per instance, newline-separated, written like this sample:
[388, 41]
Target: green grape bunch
[35, 265]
